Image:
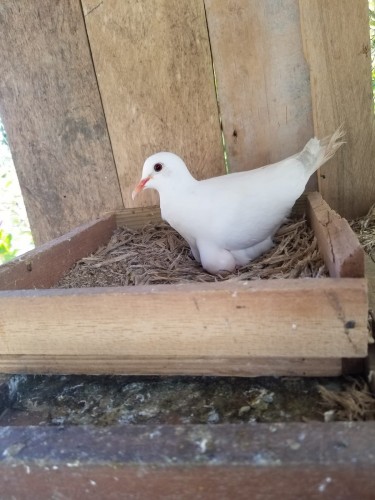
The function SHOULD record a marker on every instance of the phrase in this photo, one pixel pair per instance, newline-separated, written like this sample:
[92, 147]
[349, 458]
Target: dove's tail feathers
[317, 152]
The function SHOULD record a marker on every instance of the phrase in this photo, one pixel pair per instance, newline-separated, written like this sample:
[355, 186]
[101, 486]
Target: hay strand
[157, 254]
[355, 402]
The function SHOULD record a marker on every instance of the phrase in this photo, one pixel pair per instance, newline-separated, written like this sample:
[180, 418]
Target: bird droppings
[157, 254]
[111, 400]
[323, 485]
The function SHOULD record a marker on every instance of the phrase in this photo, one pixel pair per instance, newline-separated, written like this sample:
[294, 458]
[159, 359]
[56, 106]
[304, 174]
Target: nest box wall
[89, 89]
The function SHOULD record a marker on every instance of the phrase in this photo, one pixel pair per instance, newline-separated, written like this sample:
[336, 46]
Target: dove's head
[161, 170]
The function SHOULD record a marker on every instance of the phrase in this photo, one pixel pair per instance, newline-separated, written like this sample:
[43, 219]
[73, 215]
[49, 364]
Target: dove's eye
[158, 167]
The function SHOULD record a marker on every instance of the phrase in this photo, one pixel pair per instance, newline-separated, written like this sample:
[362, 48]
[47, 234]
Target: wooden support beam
[289, 461]
[44, 266]
[339, 246]
[320, 318]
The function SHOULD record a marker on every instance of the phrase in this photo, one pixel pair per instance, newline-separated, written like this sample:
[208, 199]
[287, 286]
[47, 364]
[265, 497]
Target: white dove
[230, 220]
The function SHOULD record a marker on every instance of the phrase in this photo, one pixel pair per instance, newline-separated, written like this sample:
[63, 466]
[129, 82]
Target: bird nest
[364, 227]
[157, 254]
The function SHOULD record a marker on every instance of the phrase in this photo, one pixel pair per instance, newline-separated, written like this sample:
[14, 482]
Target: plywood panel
[337, 48]
[51, 108]
[263, 80]
[155, 75]
[215, 320]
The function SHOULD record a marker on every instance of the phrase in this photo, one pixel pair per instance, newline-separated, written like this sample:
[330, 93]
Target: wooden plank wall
[337, 48]
[87, 84]
[263, 79]
[51, 108]
[153, 64]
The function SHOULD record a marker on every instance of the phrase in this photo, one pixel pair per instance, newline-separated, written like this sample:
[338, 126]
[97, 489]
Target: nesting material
[355, 402]
[364, 227]
[157, 254]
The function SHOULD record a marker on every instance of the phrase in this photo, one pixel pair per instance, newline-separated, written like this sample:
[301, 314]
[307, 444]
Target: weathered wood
[314, 461]
[262, 80]
[135, 218]
[44, 266]
[217, 320]
[337, 48]
[155, 76]
[153, 365]
[50, 105]
[338, 245]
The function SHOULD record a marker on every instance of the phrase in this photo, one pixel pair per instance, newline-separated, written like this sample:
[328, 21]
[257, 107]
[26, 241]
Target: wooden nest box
[90, 89]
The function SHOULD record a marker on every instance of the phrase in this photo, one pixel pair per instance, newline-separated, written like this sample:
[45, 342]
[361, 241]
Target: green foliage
[6, 251]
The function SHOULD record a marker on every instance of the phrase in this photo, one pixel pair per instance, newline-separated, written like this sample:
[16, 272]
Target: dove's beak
[141, 184]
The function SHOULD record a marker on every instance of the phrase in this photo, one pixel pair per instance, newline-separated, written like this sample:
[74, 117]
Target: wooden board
[153, 65]
[44, 266]
[50, 105]
[337, 49]
[339, 246]
[159, 365]
[289, 461]
[135, 218]
[262, 78]
[275, 318]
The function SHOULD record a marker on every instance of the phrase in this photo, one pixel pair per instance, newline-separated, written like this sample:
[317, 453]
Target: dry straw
[156, 254]
[364, 227]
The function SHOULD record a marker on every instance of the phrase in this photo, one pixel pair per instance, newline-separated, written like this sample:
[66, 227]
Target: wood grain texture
[44, 266]
[155, 76]
[219, 481]
[50, 104]
[135, 218]
[221, 320]
[337, 49]
[338, 245]
[152, 365]
[290, 461]
[263, 80]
